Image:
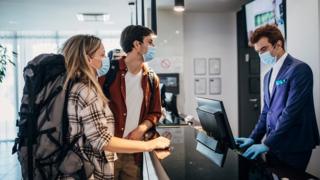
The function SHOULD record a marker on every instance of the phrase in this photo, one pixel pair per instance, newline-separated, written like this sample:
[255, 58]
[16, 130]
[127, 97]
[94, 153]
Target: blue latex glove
[243, 142]
[255, 150]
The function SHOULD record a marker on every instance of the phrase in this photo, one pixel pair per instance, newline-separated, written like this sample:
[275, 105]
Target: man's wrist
[142, 127]
[266, 146]
[251, 141]
[146, 125]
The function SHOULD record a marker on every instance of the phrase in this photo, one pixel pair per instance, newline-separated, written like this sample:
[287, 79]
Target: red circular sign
[165, 64]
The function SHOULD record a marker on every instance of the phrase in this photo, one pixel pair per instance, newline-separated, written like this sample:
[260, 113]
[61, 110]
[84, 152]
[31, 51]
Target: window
[8, 100]
[28, 45]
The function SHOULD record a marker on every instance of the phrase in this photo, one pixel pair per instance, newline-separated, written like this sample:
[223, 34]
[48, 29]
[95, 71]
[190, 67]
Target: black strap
[47, 131]
[151, 76]
[65, 120]
[14, 148]
[30, 127]
[40, 167]
[50, 97]
[66, 148]
[52, 139]
[82, 174]
[110, 77]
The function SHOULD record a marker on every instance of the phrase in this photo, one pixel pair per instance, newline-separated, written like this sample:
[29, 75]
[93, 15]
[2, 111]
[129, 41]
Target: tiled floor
[9, 164]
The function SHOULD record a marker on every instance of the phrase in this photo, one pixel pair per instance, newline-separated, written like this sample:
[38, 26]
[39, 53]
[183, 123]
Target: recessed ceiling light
[178, 5]
[93, 17]
[179, 8]
[13, 22]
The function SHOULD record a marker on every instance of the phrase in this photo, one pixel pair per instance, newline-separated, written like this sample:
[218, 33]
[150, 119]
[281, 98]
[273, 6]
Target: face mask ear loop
[274, 49]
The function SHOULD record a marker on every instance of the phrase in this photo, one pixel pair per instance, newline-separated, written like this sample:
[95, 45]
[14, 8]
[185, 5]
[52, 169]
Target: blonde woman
[88, 111]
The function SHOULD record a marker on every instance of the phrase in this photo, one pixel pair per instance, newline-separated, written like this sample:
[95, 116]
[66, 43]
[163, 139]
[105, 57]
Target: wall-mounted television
[171, 81]
[262, 12]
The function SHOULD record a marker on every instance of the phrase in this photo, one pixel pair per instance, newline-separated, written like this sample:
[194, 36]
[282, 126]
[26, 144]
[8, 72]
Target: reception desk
[189, 161]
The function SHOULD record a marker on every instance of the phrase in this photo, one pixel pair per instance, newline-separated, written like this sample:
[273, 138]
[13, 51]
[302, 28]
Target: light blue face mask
[103, 70]
[150, 54]
[267, 58]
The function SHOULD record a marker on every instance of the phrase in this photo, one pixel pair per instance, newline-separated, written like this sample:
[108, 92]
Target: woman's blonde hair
[76, 51]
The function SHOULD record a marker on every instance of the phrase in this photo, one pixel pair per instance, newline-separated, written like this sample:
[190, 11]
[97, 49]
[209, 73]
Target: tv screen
[262, 12]
[171, 81]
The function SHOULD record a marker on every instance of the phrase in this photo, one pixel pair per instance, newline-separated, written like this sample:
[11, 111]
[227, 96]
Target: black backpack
[43, 149]
[111, 76]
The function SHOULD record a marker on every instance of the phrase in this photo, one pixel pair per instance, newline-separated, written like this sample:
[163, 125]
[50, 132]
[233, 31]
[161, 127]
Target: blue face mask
[267, 58]
[150, 54]
[103, 70]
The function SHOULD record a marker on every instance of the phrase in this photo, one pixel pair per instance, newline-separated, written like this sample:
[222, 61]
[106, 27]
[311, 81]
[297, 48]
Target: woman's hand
[159, 143]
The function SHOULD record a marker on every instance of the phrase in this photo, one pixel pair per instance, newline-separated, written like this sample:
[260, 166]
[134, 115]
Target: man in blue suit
[288, 117]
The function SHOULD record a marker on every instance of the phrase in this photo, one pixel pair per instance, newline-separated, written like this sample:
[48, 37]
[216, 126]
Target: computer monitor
[169, 102]
[214, 121]
[262, 12]
[171, 81]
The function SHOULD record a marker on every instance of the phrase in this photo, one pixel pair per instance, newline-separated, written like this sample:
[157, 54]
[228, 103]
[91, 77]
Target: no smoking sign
[165, 63]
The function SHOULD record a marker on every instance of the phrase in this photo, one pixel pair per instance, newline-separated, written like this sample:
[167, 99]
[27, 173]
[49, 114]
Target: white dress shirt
[275, 70]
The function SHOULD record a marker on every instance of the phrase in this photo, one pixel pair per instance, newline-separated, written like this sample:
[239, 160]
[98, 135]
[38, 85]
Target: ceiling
[61, 14]
[204, 5]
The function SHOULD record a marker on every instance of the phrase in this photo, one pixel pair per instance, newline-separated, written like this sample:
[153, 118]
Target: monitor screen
[262, 12]
[171, 81]
[169, 102]
[214, 121]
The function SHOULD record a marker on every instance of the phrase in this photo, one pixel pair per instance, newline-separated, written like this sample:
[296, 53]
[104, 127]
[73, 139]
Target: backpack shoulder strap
[151, 78]
[110, 77]
[112, 73]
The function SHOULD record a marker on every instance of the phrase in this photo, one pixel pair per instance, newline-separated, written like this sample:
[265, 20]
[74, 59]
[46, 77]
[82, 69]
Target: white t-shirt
[134, 97]
[275, 70]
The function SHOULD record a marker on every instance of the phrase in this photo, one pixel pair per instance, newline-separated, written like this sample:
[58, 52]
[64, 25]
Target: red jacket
[150, 111]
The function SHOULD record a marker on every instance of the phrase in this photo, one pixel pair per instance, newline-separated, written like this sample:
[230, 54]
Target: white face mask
[149, 55]
[267, 58]
[103, 70]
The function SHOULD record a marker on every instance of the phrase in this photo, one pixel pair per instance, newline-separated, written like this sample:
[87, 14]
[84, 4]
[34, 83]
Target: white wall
[199, 35]
[303, 42]
[212, 35]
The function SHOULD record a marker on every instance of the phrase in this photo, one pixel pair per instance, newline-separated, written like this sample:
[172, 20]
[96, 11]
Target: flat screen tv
[262, 12]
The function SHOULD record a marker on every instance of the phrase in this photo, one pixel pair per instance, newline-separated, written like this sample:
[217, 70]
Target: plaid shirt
[95, 126]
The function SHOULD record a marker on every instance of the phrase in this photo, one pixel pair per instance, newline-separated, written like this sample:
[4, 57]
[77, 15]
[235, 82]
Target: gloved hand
[255, 150]
[243, 142]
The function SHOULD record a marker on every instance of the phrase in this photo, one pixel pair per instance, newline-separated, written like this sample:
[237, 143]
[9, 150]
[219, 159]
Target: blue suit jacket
[288, 116]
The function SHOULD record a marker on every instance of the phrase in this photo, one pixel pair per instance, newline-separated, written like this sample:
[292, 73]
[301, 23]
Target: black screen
[214, 121]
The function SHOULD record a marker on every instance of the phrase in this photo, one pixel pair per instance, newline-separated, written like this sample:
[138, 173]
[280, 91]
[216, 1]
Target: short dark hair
[132, 33]
[269, 31]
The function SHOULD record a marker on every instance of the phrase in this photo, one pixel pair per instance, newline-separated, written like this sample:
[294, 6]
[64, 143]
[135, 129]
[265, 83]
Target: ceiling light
[179, 5]
[93, 17]
[13, 22]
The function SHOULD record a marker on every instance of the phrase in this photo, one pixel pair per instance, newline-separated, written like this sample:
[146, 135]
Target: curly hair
[269, 31]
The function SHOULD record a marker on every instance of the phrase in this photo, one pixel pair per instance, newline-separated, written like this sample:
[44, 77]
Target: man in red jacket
[136, 109]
